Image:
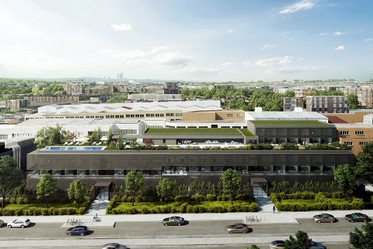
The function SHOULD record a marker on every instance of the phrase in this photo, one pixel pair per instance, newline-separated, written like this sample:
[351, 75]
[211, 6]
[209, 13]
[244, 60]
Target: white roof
[286, 116]
[184, 106]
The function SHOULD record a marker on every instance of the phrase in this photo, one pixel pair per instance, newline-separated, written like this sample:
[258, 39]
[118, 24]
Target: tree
[77, 191]
[365, 161]
[253, 247]
[165, 188]
[50, 136]
[353, 101]
[231, 183]
[301, 241]
[95, 136]
[10, 177]
[134, 183]
[345, 176]
[120, 145]
[362, 239]
[46, 188]
[110, 136]
[117, 99]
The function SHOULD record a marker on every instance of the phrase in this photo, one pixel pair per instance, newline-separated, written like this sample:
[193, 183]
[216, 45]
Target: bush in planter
[307, 195]
[210, 197]
[197, 197]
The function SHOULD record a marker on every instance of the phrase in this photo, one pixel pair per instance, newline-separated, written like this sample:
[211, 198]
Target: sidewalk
[261, 218]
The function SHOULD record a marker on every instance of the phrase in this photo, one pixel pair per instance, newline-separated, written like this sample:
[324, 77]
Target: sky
[191, 40]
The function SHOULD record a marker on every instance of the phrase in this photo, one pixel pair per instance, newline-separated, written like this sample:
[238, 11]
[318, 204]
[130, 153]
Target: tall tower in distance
[120, 76]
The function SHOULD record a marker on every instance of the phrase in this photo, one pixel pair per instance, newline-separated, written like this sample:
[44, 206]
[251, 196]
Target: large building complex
[188, 141]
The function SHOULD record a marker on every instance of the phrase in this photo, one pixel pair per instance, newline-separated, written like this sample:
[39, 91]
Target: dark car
[238, 228]
[77, 230]
[357, 217]
[173, 221]
[324, 218]
[279, 244]
[114, 246]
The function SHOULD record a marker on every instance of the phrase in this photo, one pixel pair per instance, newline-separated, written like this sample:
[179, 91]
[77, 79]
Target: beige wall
[214, 115]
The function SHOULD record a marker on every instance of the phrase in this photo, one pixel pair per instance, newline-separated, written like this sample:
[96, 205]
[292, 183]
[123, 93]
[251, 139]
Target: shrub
[197, 197]
[210, 197]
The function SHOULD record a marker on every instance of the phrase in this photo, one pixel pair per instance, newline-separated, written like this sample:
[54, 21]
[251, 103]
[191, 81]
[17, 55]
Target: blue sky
[198, 40]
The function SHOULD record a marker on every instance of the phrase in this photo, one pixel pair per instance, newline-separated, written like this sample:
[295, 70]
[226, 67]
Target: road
[199, 234]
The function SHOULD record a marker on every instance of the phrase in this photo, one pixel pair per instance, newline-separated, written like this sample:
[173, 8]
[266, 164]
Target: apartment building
[327, 104]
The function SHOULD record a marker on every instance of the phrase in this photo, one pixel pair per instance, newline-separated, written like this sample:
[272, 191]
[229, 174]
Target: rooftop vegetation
[192, 131]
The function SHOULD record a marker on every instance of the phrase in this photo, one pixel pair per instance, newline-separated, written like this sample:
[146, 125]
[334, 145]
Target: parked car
[1, 223]
[280, 244]
[238, 228]
[174, 221]
[114, 246]
[356, 217]
[324, 218]
[77, 230]
[19, 222]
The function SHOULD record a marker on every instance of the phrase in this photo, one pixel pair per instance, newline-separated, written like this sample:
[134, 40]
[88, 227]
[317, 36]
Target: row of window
[188, 170]
[357, 133]
[360, 143]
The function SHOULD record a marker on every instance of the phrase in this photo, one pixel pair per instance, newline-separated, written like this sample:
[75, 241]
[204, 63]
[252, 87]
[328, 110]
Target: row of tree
[248, 98]
[359, 239]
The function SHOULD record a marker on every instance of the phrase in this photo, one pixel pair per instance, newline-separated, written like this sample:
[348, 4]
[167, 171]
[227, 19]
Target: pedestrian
[274, 209]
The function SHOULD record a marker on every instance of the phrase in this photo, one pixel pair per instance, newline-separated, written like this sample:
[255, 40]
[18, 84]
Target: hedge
[183, 208]
[321, 201]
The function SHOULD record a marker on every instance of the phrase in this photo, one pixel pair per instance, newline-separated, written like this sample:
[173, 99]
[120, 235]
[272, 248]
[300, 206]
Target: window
[362, 143]
[229, 115]
[344, 132]
[359, 133]
[348, 143]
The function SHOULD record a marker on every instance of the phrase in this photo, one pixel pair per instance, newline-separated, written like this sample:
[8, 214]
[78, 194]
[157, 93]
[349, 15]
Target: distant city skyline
[191, 40]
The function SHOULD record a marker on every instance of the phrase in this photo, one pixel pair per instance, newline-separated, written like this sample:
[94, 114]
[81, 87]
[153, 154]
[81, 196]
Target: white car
[20, 222]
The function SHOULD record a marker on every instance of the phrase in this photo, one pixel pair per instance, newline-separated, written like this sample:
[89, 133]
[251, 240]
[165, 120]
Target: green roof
[192, 131]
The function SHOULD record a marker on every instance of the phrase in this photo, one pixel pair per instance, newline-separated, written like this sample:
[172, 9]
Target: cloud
[338, 33]
[157, 55]
[172, 59]
[229, 30]
[323, 34]
[274, 61]
[340, 48]
[298, 6]
[292, 70]
[227, 64]
[201, 72]
[121, 27]
[268, 46]
[368, 39]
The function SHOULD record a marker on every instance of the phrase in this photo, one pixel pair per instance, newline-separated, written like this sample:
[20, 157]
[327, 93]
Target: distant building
[120, 76]
[154, 97]
[171, 88]
[327, 104]
[290, 103]
[41, 100]
[364, 94]
[74, 88]
[16, 104]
